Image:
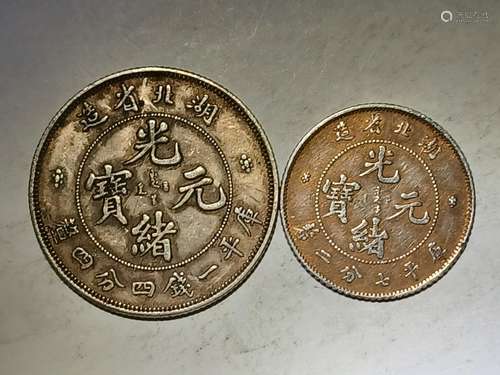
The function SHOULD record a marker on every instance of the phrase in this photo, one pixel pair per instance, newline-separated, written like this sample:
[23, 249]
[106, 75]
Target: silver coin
[154, 192]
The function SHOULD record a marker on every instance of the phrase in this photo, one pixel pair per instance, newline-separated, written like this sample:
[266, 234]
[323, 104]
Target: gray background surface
[292, 63]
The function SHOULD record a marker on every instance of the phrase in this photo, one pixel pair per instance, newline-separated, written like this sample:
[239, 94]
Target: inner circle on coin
[422, 180]
[154, 193]
[377, 201]
[196, 139]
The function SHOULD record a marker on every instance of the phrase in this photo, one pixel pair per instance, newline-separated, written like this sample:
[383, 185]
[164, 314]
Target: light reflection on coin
[153, 193]
[377, 202]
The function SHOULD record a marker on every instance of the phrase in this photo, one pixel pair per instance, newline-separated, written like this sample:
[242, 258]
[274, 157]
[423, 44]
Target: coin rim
[234, 284]
[398, 294]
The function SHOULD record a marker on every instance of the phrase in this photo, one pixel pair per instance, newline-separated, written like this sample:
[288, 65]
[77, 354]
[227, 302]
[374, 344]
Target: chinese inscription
[410, 269]
[323, 255]
[151, 237]
[200, 180]
[229, 247]
[342, 133]
[108, 280]
[368, 239]
[247, 218]
[110, 187]
[207, 272]
[410, 207]
[83, 257]
[202, 108]
[63, 230]
[350, 274]
[403, 128]
[430, 146]
[379, 165]
[436, 251]
[146, 288]
[178, 285]
[307, 231]
[340, 193]
[163, 93]
[382, 280]
[374, 123]
[90, 118]
[127, 99]
[149, 139]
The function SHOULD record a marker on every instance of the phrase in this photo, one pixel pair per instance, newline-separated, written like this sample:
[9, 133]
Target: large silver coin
[154, 192]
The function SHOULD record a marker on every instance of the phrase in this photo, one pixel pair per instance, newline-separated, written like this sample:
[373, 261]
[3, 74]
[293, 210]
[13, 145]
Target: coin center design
[154, 191]
[373, 200]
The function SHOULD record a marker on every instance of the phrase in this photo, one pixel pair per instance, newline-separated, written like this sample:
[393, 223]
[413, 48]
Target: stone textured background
[293, 63]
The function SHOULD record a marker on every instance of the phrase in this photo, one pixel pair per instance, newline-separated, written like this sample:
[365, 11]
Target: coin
[154, 192]
[377, 202]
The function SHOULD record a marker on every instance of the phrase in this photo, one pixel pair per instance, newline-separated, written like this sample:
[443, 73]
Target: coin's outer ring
[228, 289]
[397, 294]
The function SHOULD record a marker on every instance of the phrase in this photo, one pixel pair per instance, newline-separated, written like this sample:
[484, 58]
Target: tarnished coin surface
[377, 202]
[154, 192]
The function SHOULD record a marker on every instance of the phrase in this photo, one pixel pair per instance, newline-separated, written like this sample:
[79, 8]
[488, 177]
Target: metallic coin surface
[377, 202]
[154, 192]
